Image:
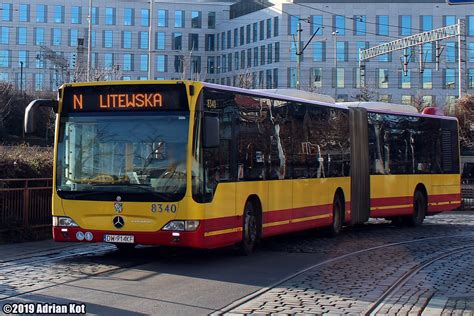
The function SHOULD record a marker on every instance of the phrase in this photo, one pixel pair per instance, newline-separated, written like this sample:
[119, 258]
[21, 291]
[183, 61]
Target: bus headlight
[63, 221]
[189, 226]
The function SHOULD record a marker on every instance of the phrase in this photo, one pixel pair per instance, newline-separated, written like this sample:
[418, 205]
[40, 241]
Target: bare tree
[464, 112]
[365, 93]
[79, 73]
[6, 97]
[245, 79]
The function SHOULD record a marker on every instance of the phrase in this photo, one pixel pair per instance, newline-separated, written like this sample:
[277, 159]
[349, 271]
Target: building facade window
[95, 15]
[73, 36]
[110, 16]
[39, 36]
[24, 12]
[23, 57]
[316, 78]
[254, 32]
[143, 62]
[108, 39]
[76, 15]
[4, 35]
[4, 58]
[427, 79]
[177, 41]
[359, 24]
[470, 52]
[162, 18]
[450, 52]
[39, 82]
[126, 39]
[293, 24]
[340, 78]
[41, 13]
[317, 25]
[470, 25]
[383, 79]
[144, 17]
[22, 36]
[382, 25]
[209, 42]
[58, 14]
[143, 40]
[470, 81]
[193, 42]
[211, 20]
[127, 62]
[426, 23]
[449, 78]
[108, 60]
[277, 52]
[405, 79]
[406, 99]
[291, 77]
[269, 28]
[196, 19]
[128, 16]
[342, 51]
[269, 53]
[339, 24]
[179, 19]
[7, 13]
[405, 25]
[449, 20]
[160, 40]
[276, 31]
[319, 51]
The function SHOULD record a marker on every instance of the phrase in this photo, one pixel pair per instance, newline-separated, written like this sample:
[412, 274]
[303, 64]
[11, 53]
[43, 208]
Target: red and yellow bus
[194, 164]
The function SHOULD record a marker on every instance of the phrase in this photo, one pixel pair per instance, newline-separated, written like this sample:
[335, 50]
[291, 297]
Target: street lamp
[150, 42]
[334, 34]
[89, 42]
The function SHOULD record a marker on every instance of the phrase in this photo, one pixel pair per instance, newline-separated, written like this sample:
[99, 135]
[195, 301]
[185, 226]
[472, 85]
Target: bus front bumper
[194, 239]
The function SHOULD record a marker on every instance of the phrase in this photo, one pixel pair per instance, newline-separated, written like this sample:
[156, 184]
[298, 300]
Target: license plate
[126, 239]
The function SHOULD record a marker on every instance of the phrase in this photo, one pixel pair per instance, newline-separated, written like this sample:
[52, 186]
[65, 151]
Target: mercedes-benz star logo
[118, 221]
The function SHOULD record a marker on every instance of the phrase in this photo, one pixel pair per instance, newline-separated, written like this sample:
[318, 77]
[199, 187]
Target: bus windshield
[141, 157]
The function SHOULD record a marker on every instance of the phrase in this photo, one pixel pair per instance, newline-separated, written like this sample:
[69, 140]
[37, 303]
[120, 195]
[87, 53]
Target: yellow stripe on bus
[296, 220]
[224, 231]
[375, 208]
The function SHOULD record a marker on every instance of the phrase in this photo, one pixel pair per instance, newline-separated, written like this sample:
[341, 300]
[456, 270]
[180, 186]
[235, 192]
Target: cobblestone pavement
[351, 285]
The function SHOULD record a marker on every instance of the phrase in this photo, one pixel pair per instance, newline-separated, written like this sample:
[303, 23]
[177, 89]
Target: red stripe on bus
[389, 201]
[444, 198]
[221, 223]
[444, 207]
[292, 227]
[392, 212]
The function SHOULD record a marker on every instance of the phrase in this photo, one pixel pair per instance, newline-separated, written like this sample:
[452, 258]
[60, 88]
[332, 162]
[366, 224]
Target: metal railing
[467, 196]
[25, 203]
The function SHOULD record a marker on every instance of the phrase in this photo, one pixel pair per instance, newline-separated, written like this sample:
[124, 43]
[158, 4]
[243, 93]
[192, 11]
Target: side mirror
[32, 109]
[210, 131]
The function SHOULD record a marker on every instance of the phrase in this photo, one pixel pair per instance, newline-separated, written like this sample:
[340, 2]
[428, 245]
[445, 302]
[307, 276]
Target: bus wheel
[249, 231]
[125, 247]
[337, 217]
[419, 210]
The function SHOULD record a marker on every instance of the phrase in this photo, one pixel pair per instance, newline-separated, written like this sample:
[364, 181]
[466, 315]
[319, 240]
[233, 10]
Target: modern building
[242, 43]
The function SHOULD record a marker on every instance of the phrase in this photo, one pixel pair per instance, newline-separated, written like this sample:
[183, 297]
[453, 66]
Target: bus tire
[125, 247]
[419, 210]
[249, 230]
[337, 216]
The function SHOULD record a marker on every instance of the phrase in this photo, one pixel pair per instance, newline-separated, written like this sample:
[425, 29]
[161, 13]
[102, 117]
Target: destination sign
[127, 97]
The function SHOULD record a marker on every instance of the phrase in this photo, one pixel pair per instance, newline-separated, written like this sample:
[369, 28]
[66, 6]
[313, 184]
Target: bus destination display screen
[113, 98]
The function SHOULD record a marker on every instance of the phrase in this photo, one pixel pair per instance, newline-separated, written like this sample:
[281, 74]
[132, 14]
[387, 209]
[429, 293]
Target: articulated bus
[194, 164]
